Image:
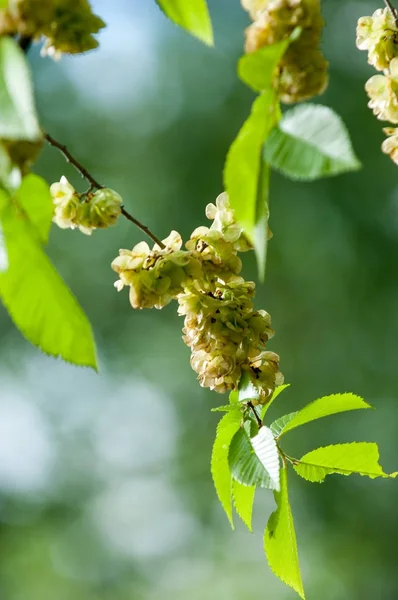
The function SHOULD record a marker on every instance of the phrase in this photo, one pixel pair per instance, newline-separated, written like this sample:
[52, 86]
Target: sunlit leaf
[247, 391]
[242, 173]
[226, 429]
[280, 540]
[267, 452]
[243, 497]
[245, 466]
[40, 304]
[18, 118]
[310, 141]
[280, 424]
[3, 253]
[343, 459]
[34, 197]
[324, 407]
[192, 16]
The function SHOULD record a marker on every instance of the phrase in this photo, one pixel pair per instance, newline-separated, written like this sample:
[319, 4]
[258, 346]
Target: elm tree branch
[94, 184]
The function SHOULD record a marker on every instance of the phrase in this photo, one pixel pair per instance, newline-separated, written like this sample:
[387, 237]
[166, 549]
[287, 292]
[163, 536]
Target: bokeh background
[105, 490]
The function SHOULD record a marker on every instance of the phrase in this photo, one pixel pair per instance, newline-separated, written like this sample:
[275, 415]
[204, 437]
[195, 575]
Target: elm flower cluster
[302, 72]
[68, 26]
[390, 145]
[378, 35]
[226, 335]
[96, 211]
[156, 276]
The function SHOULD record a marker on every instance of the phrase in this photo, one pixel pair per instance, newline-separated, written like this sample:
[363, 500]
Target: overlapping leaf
[226, 429]
[243, 164]
[34, 198]
[265, 448]
[245, 467]
[243, 497]
[343, 459]
[279, 424]
[310, 142]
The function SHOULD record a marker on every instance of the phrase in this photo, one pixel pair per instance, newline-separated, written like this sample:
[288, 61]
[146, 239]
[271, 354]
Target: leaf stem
[259, 422]
[94, 184]
[285, 457]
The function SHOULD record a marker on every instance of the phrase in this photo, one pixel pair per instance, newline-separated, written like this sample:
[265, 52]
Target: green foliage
[246, 175]
[344, 459]
[280, 540]
[260, 234]
[243, 164]
[243, 497]
[244, 464]
[274, 396]
[323, 407]
[246, 468]
[18, 119]
[33, 196]
[267, 452]
[226, 429]
[310, 142]
[257, 69]
[39, 302]
[192, 16]
[279, 424]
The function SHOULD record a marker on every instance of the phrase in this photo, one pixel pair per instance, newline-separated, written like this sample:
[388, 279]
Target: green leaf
[35, 199]
[280, 541]
[242, 172]
[3, 253]
[245, 466]
[257, 69]
[280, 424]
[260, 233]
[18, 118]
[40, 304]
[324, 407]
[278, 390]
[243, 497]
[192, 16]
[233, 398]
[224, 408]
[310, 142]
[226, 429]
[246, 390]
[267, 452]
[344, 459]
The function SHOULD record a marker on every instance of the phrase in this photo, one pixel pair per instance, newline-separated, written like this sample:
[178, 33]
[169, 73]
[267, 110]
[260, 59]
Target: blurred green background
[105, 490]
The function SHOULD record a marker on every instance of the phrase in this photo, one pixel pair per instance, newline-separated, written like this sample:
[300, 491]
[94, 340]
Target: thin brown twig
[73, 161]
[393, 11]
[259, 421]
[143, 228]
[25, 42]
[94, 184]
